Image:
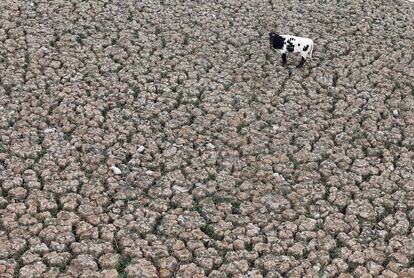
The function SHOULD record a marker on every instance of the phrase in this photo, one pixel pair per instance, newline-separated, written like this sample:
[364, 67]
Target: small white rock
[210, 146]
[277, 175]
[316, 268]
[141, 149]
[49, 130]
[149, 173]
[395, 112]
[179, 189]
[45, 50]
[116, 170]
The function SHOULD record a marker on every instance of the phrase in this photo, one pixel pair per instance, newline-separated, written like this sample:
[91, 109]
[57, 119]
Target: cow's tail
[311, 51]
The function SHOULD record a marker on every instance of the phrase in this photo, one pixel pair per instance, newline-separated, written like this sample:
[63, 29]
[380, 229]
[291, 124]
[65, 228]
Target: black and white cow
[287, 43]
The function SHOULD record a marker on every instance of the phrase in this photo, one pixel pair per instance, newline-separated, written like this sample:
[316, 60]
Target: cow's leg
[302, 61]
[283, 59]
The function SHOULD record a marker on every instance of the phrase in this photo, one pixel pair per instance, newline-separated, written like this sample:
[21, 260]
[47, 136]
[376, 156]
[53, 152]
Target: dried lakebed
[165, 139]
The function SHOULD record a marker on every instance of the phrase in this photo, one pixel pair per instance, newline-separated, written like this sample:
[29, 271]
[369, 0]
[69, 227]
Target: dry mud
[165, 139]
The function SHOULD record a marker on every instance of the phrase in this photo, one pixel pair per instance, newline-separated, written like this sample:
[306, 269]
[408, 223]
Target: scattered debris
[210, 146]
[45, 50]
[49, 130]
[179, 189]
[141, 149]
[277, 175]
[395, 112]
[116, 170]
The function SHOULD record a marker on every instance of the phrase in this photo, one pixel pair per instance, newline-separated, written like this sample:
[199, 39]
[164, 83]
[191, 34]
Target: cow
[292, 44]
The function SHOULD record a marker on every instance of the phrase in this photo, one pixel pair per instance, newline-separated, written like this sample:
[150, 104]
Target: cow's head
[276, 41]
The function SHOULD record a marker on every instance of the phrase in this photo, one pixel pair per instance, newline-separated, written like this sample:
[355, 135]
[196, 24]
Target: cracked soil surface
[165, 139]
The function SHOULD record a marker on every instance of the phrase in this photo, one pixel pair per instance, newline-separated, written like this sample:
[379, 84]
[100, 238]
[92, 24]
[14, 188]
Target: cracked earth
[165, 139]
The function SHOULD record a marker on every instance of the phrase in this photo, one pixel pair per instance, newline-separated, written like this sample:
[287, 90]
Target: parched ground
[226, 164]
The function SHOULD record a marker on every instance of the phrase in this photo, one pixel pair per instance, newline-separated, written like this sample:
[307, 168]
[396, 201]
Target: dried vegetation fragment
[164, 139]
